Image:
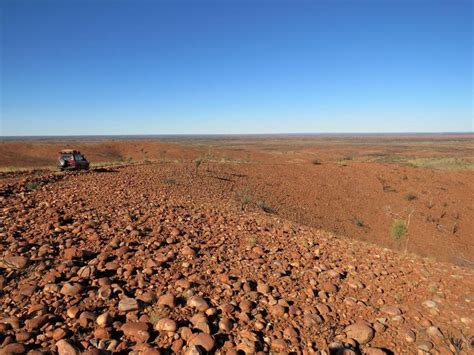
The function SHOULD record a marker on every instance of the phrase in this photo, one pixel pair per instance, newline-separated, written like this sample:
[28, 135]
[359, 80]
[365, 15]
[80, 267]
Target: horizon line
[243, 134]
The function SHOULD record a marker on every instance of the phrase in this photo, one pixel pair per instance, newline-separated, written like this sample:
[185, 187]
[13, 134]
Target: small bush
[170, 181]
[31, 185]
[316, 162]
[264, 207]
[197, 163]
[251, 241]
[156, 314]
[410, 196]
[398, 229]
[244, 198]
[358, 222]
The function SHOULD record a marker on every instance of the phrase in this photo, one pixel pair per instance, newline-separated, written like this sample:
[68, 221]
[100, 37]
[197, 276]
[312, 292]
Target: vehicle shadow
[104, 170]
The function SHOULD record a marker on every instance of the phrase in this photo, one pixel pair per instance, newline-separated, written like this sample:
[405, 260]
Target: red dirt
[357, 190]
[155, 258]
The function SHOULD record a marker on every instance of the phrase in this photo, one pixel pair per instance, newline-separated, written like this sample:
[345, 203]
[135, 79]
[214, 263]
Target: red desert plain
[240, 244]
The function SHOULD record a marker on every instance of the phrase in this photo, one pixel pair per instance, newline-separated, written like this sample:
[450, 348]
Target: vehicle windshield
[78, 157]
[66, 156]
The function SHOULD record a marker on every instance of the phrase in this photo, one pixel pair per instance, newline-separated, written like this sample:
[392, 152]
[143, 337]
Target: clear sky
[180, 67]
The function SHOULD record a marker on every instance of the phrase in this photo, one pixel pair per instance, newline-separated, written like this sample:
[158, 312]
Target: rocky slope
[133, 260]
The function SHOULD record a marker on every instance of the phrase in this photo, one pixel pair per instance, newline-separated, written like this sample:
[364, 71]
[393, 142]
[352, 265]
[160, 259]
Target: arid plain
[329, 244]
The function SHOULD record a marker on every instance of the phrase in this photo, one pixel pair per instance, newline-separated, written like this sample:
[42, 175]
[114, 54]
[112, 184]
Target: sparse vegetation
[358, 222]
[31, 185]
[398, 230]
[410, 196]
[244, 197]
[347, 158]
[197, 163]
[435, 163]
[170, 181]
[162, 155]
[251, 241]
[157, 313]
[316, 162]
[264, 207]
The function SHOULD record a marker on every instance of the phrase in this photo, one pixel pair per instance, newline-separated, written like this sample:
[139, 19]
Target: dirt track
[155, 258]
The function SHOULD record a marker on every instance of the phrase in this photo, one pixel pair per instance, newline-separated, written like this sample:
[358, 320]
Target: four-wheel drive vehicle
[70, 159]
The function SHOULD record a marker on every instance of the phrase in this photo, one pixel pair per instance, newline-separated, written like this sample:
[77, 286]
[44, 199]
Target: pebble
[434, 332]
[360, 332]
[391, 310]
[13, 349]
[14, 262]
[166, 324]
[429, 304]
[127, 304]
[137, 331]
[167, 300]
[69, 289]
[65, 348]
[202, 339]
[198, 303]
[225, 324]
[424, 345]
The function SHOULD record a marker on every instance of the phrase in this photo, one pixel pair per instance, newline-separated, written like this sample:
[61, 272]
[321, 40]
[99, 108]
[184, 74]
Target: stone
[204, 340]
[137, 331]
[14, 262]
[166, 325]
[360, 332]
[375, 351]
[166, 300]
[391, 310]
[434, 332]
[410, 336]
[71, 289]
[424, 345]
[37, 322]
[198, 303]
[429, 304]
[329, 287]
[13, 349]
[59, 334]
[277, 310]
[65, 348]
[225, 324]
[104, 319]
[127, 304]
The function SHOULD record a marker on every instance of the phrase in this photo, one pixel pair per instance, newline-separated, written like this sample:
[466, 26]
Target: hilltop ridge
[131, 259]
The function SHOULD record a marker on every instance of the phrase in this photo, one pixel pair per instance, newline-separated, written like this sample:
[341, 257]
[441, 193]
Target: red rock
[204, 340]
[65, 348]
[138, 331]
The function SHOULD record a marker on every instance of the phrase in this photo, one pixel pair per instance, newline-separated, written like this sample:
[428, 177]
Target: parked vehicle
[70, 159]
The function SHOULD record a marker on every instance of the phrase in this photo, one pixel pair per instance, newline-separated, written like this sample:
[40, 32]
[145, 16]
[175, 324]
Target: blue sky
[171, 67]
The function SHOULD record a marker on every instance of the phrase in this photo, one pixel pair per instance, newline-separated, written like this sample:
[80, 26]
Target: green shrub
[31, 185]
[398, 230]
[244, 197]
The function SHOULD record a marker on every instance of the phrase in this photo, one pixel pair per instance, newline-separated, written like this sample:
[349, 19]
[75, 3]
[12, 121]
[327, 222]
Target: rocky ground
[151, 259]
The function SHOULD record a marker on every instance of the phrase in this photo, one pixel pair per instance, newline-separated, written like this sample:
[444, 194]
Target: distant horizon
[185, 135]
[204, 67]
